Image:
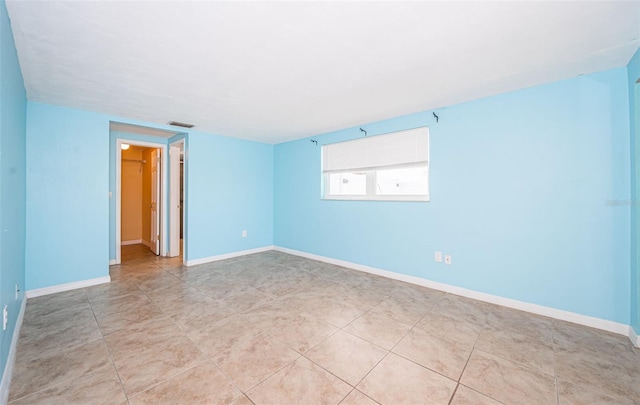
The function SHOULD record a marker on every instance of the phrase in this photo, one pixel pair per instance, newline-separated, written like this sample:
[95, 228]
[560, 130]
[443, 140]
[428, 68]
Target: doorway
[140, 190]
[140, 197]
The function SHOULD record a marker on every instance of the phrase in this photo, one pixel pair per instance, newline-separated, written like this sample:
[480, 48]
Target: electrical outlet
[447, 259]
[244, 234]
[438, 256]
[5, 317]
[17, 291]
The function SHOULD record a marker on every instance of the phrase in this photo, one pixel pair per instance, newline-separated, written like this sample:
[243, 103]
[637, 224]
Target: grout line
[113, 363]
[453, 395]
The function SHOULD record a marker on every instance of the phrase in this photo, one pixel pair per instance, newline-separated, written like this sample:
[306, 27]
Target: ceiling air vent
[180, 124]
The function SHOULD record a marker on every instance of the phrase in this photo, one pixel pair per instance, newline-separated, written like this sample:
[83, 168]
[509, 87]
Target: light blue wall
[229, 188]
[519, 190]
[67, 195]
[633, 74]
[13, 109]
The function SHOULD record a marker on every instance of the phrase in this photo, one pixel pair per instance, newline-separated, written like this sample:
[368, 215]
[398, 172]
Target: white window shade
[394, 149]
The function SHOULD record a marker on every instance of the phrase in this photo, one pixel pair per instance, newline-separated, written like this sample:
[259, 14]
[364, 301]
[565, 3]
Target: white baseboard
[146, 243]
[130, 242]
[11, 359]
[635, 339]
[597, 323]
[112, 262]
[66, 287]
[228, 255]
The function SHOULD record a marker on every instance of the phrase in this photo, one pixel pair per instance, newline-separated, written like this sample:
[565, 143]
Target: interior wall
[229, 186]
[71, 166]
[132, 194]
[523, 196]
[68, 204]
[12, 183]
[633, 74]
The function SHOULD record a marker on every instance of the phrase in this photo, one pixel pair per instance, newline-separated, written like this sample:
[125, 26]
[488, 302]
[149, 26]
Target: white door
[155, 200]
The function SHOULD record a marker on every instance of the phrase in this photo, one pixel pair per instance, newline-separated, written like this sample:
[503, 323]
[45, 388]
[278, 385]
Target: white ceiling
[275, 71]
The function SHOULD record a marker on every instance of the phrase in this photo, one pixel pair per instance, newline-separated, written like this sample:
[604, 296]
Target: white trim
[130, 242]
[635, 339]
[68, 286]
[597, 323]
[175, 208]
[112, 262]
[228, 255]
[163, 207]
[147, 244]
[11, 359]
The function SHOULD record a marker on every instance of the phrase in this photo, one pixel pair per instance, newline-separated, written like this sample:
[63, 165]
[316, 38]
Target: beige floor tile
[223, 335]
[580, 394]
[444, 356]
[427, 296]
[157, 363]
[253, 358]
[578, 338]
[301, 382]
[111, 290]
[100, 387]
[363, 298]
[179, 302]
[522, 323]
[347, 356]
[461, 308]
[41, 373]
[379, 329]
[404, 310]
[506, 381]
[467, 396]
[300, 332]
[141, 336]
[242, 400]
[203, 384]
[334, 311]
[524, 350]
[42, 308]
[399, 381]
[161, 281]
[128, 318]
[115, 305]
[200, 317]
[63, 331]
[456, 329]
[357, 398]
[616, 374]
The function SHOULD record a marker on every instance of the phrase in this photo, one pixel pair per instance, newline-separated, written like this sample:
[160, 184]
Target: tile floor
[271, 328]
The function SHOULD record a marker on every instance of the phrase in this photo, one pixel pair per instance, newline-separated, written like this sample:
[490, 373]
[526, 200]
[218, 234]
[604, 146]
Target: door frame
[163, 192]
[175, 148]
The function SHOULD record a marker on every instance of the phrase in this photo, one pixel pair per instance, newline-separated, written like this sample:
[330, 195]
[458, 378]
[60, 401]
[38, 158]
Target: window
[393, 166]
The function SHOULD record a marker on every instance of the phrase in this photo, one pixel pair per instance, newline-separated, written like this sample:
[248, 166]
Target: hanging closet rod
[135, 160]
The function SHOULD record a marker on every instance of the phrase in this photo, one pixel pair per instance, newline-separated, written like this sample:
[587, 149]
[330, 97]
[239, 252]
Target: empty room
[310, 202]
